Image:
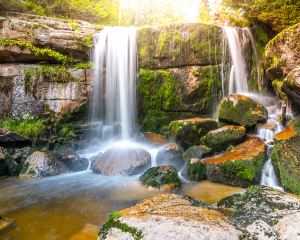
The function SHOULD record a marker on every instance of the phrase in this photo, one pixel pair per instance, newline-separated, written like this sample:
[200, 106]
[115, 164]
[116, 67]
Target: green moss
[88, 40]
[113, 222]
[66, 131]
[196, 170]
[84, 65]
[158, 177]
[31, 128]
[39, 25]
[74, 24]
[36, 50]
[158, 90]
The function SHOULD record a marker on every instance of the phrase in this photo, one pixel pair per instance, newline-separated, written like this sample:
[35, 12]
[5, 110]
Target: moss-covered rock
[239, 166]
[221, 138]
[241, 110]
[170, 154]
[286, 158]
[162, 177]
[179, 45]
[188, 132]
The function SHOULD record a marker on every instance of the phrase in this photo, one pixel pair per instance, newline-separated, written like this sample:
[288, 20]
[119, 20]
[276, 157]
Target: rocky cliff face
[42, 66]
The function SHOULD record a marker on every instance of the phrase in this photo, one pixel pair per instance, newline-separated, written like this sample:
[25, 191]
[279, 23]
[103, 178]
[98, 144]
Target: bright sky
[188, 10]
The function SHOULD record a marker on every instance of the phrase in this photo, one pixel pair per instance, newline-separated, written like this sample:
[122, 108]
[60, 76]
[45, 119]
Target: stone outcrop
[68, 37]
[239, 166]
[41, 164]
[162, 177]
[122, 161]
[37, 89]
[188, 132]
[241, 110]
[10, 139]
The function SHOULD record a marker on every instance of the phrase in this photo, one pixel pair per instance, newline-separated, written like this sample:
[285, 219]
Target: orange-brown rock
[286, 134]
[155, 137]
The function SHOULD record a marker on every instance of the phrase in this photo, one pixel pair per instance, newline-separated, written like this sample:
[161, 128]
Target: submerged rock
[41, 164]
[221, 138]
[11, 139]
[169, 217]
[241, 110]
[170, 154]
[264, 213]
[122, 161]
[188, 132]
[240, 166]
[162, 177]
[5, 224]
[73, 162]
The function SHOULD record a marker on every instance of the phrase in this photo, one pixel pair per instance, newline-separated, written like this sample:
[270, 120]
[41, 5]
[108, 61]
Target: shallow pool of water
[56, 208]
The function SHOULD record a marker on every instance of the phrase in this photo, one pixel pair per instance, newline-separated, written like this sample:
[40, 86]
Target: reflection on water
[56, 208]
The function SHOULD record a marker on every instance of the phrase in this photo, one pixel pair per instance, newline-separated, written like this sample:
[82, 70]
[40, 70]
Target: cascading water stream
[114, 81]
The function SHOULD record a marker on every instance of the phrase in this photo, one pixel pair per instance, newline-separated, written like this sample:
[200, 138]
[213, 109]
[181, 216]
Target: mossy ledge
[114, 222]
[59, 57]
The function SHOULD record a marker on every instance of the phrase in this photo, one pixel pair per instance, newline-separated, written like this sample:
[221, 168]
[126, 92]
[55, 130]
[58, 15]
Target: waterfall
[238, 73]
[114, 81]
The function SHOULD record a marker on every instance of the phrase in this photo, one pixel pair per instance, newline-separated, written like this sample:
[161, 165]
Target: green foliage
[31, 128]
[84, 65]
[88, 40]
[66, 131]
[36, 50]
[104, 11]
[196, 171]
[113, 222]
[278, 14]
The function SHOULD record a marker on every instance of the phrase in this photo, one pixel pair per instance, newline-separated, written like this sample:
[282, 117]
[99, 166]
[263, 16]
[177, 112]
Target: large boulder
[41, 164]
[71, 38]
[122, 161]
[241, 110]
[168, 217]
[264, 213]
[3, 166]
[286, 158]
[11, 139]
[188, 132]
[239, 166]
[162, 177]
[222, 138]
[170, 154]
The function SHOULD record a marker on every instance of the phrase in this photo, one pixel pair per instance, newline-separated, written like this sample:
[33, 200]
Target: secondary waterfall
[235, 72]
[114, 81]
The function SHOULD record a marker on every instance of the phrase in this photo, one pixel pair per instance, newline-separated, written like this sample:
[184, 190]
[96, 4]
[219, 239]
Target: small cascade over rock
[114, 80]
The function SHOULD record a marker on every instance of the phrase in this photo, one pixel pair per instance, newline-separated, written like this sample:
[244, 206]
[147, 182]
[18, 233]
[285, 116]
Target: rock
[221, 138]
[11, 139]
[179, 45]
[155, 137]
[240, 166]
[265, 212]
[40, 164]
[122, 161]
[241, 110]
[5, 224]
[286, 134]
[195, 152]
[3, 166]
[34, 90]
[188, 132]
[72, 161]
[162, 177]
[169, 216]
[286, 158]
[170, 154]
[44, 32]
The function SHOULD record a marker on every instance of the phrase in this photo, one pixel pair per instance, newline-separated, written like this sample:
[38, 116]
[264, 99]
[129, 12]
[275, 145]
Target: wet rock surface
[41, 164]
[122, 161]
[73, 161]
[241, 110]
[162, 177]
[11, 139]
